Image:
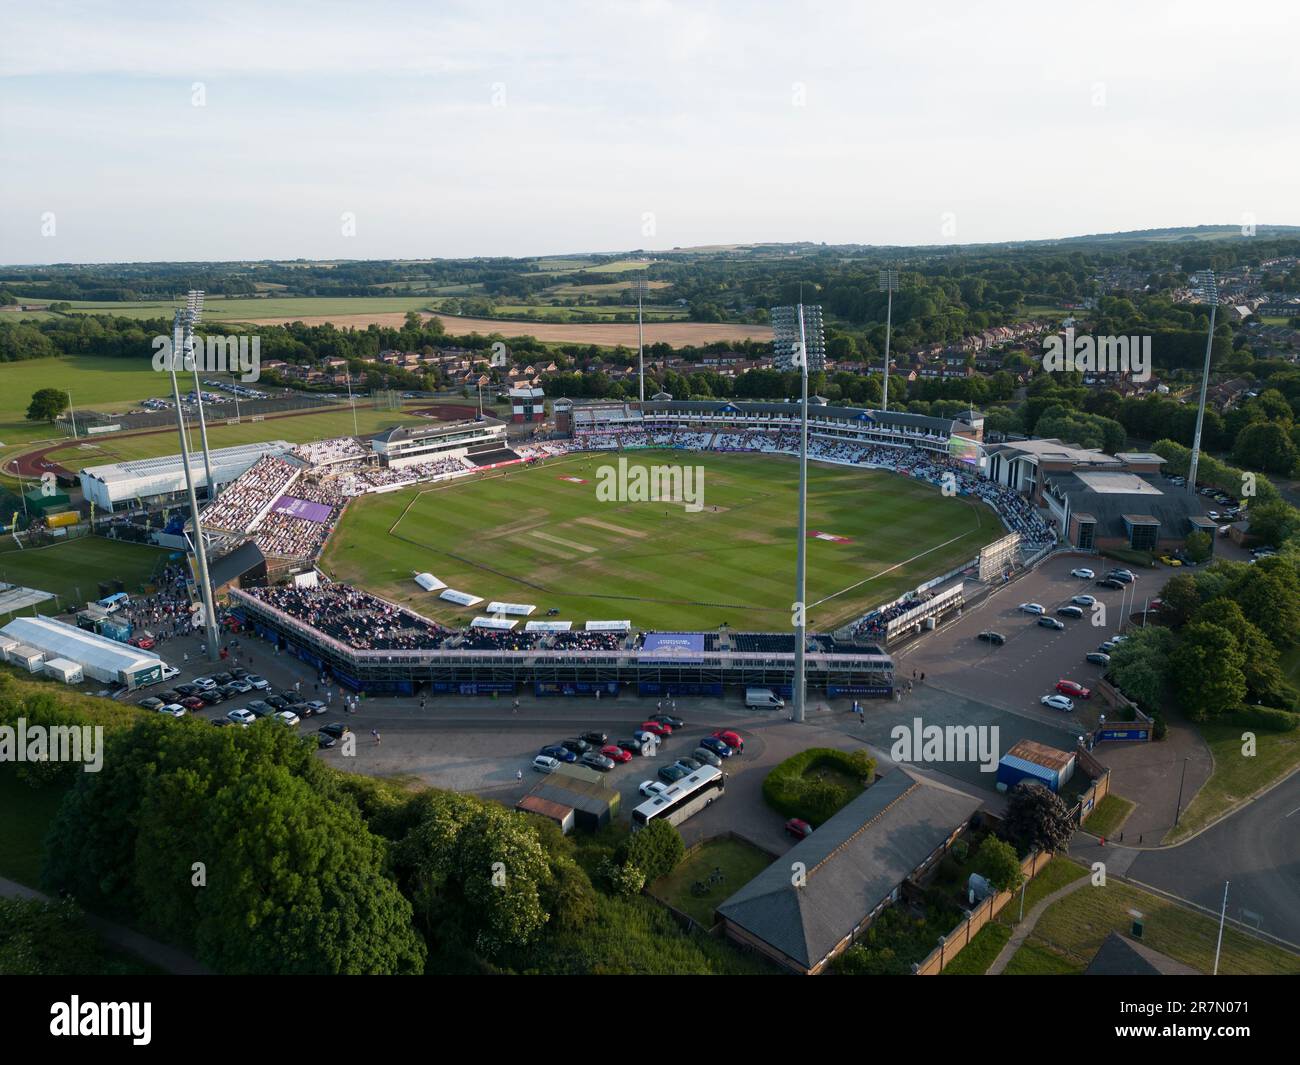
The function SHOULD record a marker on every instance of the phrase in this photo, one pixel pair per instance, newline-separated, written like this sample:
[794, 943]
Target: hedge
[790, 791]
[1268, 718]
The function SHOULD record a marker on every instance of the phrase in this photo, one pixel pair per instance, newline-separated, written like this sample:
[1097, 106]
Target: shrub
[790, 790]
[1268, 718]
[656, 849]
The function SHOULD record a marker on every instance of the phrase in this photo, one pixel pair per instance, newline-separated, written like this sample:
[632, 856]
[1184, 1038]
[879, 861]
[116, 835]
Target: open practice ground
[528, 535]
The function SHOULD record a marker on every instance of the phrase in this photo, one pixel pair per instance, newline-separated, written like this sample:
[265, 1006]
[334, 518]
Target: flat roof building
[164, 478]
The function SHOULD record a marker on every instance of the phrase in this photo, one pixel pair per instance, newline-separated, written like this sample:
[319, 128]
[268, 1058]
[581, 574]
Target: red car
[193, 702]
[798, 827]
[657, 728]
[616, 753]
[144, 641]
[1069, 687]
[731, 739]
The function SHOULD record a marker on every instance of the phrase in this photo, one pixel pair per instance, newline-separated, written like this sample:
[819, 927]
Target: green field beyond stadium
[540, 535]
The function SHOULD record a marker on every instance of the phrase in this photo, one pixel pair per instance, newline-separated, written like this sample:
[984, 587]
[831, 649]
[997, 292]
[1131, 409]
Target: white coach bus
[679, 801]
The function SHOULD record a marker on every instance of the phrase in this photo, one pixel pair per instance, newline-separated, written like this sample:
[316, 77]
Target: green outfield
[73, 570]
[528, 535]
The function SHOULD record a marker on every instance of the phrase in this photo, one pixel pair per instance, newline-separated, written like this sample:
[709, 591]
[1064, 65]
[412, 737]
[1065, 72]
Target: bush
[790, 791]
[1264, 717]
[655, 850]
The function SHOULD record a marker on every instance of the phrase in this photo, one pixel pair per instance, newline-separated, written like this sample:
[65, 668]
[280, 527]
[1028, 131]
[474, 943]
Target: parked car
[150, 702]
[288, 717]
[717, 746]
[642, 736]
[1073, 688]
[577, 746]
[1097, 658]
[596, 739]
[689, 764]
[559, 753]
[1051, 623]
[261, 708]
[731, 739]
[651, 788]
[615, 753]
[316, 707]
[1058, 702]
[241, 716]
[170, 695]
[706, 756]
[238, 672]
[187, 690]
[1070, 611]
[671, 774]
[222, 679]
[1127, 576]
[1110, 582]
[633, 747]
[145, 641]
[278, 701]
[213, 696]
[260, 683]
[203, 683]
[995, 638]
[1169, 560]
[1083, 573]
[1085, 600]
[596, 760]
[798, 827]
[1106, 647]
[192, 702]
[544, 763]
[329, 735]
[239, 687]
[669, 720]
[1031, 608]
[174, 710]
[656, 728]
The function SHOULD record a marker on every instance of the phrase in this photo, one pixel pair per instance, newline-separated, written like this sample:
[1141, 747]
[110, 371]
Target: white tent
[428, 582]
[102, 659]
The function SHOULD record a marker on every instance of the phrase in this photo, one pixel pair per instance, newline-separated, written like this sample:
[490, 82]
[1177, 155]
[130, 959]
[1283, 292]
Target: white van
[763, 699]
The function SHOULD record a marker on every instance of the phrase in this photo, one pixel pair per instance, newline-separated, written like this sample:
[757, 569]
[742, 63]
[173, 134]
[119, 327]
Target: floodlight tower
[1207, 286]
[793, 349]
[193, 311]
[640, 286]
[181, 325]
[888, 284]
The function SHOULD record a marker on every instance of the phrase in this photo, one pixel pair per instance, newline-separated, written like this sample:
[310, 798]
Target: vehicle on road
[1083, 573]
[668, 719]
[1058, 702]
[328, 735]
[763, 699]
[995, 638]
[1051, 623]
[799, 828]
[1031, 608]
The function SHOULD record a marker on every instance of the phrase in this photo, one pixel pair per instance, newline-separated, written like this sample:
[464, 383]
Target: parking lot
[1016, 674]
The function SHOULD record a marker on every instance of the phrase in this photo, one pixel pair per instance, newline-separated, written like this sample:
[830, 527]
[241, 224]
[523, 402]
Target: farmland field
[533, 535]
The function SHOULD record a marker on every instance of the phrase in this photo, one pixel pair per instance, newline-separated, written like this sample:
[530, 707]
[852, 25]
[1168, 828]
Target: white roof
[85, 648]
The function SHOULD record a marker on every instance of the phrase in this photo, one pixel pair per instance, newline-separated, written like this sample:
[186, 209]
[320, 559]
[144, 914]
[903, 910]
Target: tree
[1179, 599]
[47, 404]
[1207, 670]
[502, 868]
[47, 937]
[1265, 446]
[656, 849]
[1274, 522]
[1037, 819]
[1269, 595]
[1199, 546]
[996, 862]
[1140, 665]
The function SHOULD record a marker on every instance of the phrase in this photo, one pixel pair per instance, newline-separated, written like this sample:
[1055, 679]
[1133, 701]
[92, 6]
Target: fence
[941, 957]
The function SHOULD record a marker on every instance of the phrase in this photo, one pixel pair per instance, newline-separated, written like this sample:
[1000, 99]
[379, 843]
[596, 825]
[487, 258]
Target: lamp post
[888, 284]
[1209, 290]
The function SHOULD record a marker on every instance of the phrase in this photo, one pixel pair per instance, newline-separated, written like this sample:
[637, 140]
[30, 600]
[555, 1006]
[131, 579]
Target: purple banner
[301, 508]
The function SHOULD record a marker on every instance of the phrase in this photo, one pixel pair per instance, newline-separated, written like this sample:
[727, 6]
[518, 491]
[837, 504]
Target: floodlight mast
[889, 285]
[801, 619]
[1209, 288]
[179, 325]
[640, 341]
[193, 311]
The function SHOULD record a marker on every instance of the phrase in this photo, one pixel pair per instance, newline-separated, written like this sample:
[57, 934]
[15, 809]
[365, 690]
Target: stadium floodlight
[889, 285]
[791, 350]
[640, 287]
[183, 324]
[193, 312]
[1206, 288]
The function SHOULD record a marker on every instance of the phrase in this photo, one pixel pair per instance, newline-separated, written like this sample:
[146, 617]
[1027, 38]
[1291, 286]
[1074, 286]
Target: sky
[141, 131]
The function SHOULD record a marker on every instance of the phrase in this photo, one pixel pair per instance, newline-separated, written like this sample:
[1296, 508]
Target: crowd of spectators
[585, 641]
[243, 501]
[327, 452]
[354, 617]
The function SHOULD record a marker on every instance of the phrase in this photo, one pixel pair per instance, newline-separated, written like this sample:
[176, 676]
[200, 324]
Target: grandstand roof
[117, 481]
[1056, 451]
[822, 412]
[416, 433]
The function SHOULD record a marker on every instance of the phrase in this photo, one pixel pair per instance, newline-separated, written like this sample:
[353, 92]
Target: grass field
[739, 861]
[530, 536]
[73, 570]
[296, 429]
